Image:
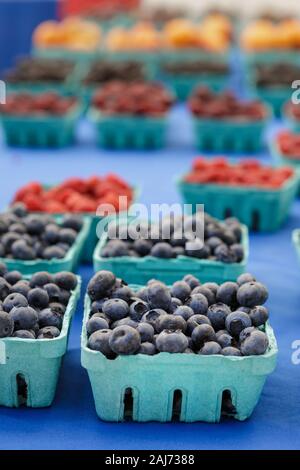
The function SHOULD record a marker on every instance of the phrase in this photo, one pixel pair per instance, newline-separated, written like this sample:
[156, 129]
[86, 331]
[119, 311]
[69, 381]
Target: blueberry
[96, 323]
[24, 318]
[231, 351]
[152, 316]
[246, 332]
[224, 254]
[197, 249]
[184, 311]
[170, 322]
[125, 340]
[12, 277]
[2, 251]
[213, 286]
[53, 252]
[4, 289]
[14, 300]
[51, 234]
[65, 280]
[147, 348]
[6, 325]
[238, 251]
[38, 298]
[18, 228]
[209, 348]
[159, 296]
[245, 309]
[21, 287]
[162, 250]
[175, 303]
[202, 334]
[188, 351]
[64, 297]
[115, 309]
[8, 239]
[19, 209]
[208, 293]
[53, 292]
[48, 332]
[138, 309]
[244, 278]
[171, 341]
[259, 315]
[256, 343]
[217, 314]
[118, 248]
[236, 322]
[181, 290]
[123, 292]
[227, 293]
[142, 247]
[225, 340]
[213, 243]
[3, 269]
[252, 294]
[35, 224]
[48, 317]
[142, 294]
[4, 226]
[192, 281]
[146, 332]
[99, 341]
[96, 306]
[100, 284]
[124, 321]
[20, 250]
[228, 236]
[195, 321]
[58, 308]
[68, 236]
[24, 334]
[199, 304]
[72, 221]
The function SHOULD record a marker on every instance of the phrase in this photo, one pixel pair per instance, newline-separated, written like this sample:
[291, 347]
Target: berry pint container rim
[68, 263]
[141, 270]
[36, 361]
[154, 381]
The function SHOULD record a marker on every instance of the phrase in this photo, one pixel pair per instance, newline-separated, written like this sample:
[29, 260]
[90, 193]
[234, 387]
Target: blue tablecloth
[71, 423]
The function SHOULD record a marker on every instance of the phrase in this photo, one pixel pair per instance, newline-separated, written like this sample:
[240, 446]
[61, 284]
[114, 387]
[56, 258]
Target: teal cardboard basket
[275, 97]
[225, 135]
[184, 84]
[82, 57]
[292, 123]
[154, 382]
[282, 160]
[296, 241]
[129, 132]
[69, 263]
[260, 209]
[140, 270]
[29, 368]
[271, 57]
[40, 130]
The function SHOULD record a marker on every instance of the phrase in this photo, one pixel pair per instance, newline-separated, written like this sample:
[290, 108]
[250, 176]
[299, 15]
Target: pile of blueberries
[35, 308]
[39, 70]
[195, 67]
[29, 236]
[222, 240]
[280, 74]
[188, 317]
[104, 71]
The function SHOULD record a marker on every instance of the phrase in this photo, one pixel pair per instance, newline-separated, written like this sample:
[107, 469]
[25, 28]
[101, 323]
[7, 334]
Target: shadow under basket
[129, 132]
[29, 368]
[220, 135]
[176, 387]
[140, 270]
[40, 130]
[260, 209]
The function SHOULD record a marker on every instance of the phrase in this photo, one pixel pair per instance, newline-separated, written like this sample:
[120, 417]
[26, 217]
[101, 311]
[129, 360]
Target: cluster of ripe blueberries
[188, 317]
[35, 308]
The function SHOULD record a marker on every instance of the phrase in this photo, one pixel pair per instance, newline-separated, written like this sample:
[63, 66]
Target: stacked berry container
[166, 376]
[292, 116]
[211, 261]
[285, 150]
[30, 362]
[131, 115]
[260, 200]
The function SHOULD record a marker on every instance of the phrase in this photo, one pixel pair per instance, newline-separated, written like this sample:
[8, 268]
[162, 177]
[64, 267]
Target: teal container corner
[282, 160]
[261, 210]
[183, 85]
[220, 135]
[296, 241]
[37, 361]
[129, 132]
[154, 379]
[69, 263]
[40, 131]
[274, 97]
[141, 270]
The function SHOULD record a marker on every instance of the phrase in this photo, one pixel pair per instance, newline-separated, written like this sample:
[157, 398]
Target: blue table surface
[71, 423]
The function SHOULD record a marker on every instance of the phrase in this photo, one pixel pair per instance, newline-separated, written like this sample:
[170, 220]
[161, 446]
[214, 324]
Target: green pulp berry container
[129, 132]
[141, 270]
[29, 368]
[296, 241]
[283, 160]
[155, 383]
[263, 210]
[39, 130]
[83, 57]
[225, 135]
[274, 97]
[69, 263]
[292, 123]
[184, 84]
